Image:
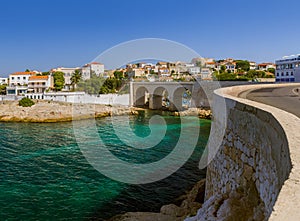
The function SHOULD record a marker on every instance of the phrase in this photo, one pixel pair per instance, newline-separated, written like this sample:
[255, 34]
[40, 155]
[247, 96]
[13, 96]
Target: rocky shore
[187, 206]
[49, 111]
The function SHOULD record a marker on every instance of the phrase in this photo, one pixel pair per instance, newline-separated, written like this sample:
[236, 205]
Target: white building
[266, 66]
[253, 65]
[288, 69]
[39, 84]
[20, 78]
[18, 83]
[92, 68]
[206, 74]
[3, 81]
[194, 70]
[67, 75]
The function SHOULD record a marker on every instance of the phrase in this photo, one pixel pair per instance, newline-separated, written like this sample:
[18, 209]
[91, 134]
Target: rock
[144, 216]
[189, 206]
[173, 210]
[44, 111]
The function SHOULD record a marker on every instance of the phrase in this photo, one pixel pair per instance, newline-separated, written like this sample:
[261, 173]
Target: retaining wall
[255, 174]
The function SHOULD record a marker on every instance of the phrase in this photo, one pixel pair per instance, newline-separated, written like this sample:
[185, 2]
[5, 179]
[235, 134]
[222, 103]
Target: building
[162, 64]
[265, 66]
[288, 69]
[164, 72]
[3, 81]
[202, 61]
[206, 74]
[67, 75]
[20, 78]
[229, 64]
[135, 72]
[92, 68]
[39, 84]
[18, 83]
[194, 70]
[253, 65]
[211, 65]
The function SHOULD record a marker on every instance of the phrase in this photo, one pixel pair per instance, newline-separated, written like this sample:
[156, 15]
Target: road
[285, 98]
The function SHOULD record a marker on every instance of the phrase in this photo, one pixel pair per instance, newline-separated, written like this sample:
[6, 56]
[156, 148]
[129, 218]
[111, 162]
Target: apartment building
[18, 83]
[288, 69]
[39, 84]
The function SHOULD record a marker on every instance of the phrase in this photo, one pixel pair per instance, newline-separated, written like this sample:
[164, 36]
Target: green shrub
[26, 102]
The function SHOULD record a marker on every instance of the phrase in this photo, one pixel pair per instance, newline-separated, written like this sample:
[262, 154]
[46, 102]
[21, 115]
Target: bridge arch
[157, 97]
[141, 96]
[176, 100]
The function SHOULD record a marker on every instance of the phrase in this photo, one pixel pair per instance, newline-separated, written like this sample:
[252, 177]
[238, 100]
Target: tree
[3, 89]
[59, 80]
[27, 70]
[118, 75]
[111, 85]
[243, 65]
[75, 78]
[223, 68]
[45, 73]
[92, 85]
[272, 70]
[26, 102]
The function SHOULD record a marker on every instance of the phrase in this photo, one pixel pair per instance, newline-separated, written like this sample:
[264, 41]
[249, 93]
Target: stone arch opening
[181, 99]
[142, 97]
[200, 99]
[159, 99]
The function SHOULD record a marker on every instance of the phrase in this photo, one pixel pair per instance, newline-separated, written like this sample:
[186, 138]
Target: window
[24, 78]
[282, 74]
[13, 78]
[277, 74]
[287, 74]
[18, 78]
[292, 73]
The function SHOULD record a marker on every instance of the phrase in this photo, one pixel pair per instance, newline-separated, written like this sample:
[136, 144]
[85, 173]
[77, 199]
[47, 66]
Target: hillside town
[204, 69]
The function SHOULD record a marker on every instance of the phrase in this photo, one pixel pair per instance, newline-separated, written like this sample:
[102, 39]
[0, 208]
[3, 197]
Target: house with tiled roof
[266, 66]
[39, 84]
[20, 78]
[18, 82]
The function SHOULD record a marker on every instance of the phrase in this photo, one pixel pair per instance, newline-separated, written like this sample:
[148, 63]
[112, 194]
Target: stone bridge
[154, 92]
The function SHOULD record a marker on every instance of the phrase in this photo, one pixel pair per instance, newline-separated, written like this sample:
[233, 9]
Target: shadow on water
[150, 197]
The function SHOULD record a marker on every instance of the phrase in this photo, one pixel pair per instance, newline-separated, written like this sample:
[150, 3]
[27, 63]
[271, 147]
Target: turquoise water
[44, 175]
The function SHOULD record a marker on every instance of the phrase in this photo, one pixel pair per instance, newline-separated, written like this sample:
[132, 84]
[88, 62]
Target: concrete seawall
[255, 174]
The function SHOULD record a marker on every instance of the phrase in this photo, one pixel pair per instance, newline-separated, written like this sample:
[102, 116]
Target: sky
[43, 34]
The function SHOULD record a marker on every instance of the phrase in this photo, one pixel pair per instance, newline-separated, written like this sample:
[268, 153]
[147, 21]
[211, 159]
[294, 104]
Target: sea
[45, 175]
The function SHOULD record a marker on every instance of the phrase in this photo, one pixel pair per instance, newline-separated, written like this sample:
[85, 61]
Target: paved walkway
[285, 98]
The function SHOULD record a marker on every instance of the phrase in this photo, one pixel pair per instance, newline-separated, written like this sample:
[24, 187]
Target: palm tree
[75, 78]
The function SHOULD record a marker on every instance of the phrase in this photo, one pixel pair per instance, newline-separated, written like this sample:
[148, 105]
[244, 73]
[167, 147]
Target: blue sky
[38, 34]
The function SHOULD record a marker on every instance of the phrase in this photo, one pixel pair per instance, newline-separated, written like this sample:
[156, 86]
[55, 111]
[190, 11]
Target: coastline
[51, 112]
[185, 206]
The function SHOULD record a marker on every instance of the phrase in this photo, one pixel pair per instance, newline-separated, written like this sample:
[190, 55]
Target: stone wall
[255, 172]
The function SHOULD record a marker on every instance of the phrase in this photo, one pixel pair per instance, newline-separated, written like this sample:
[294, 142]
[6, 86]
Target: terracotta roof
[24, 73]
[38, 78]
[265, 64]
[210, 62]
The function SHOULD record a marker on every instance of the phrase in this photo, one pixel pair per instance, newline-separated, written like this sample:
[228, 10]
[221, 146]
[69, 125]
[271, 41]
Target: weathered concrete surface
[256, 172]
